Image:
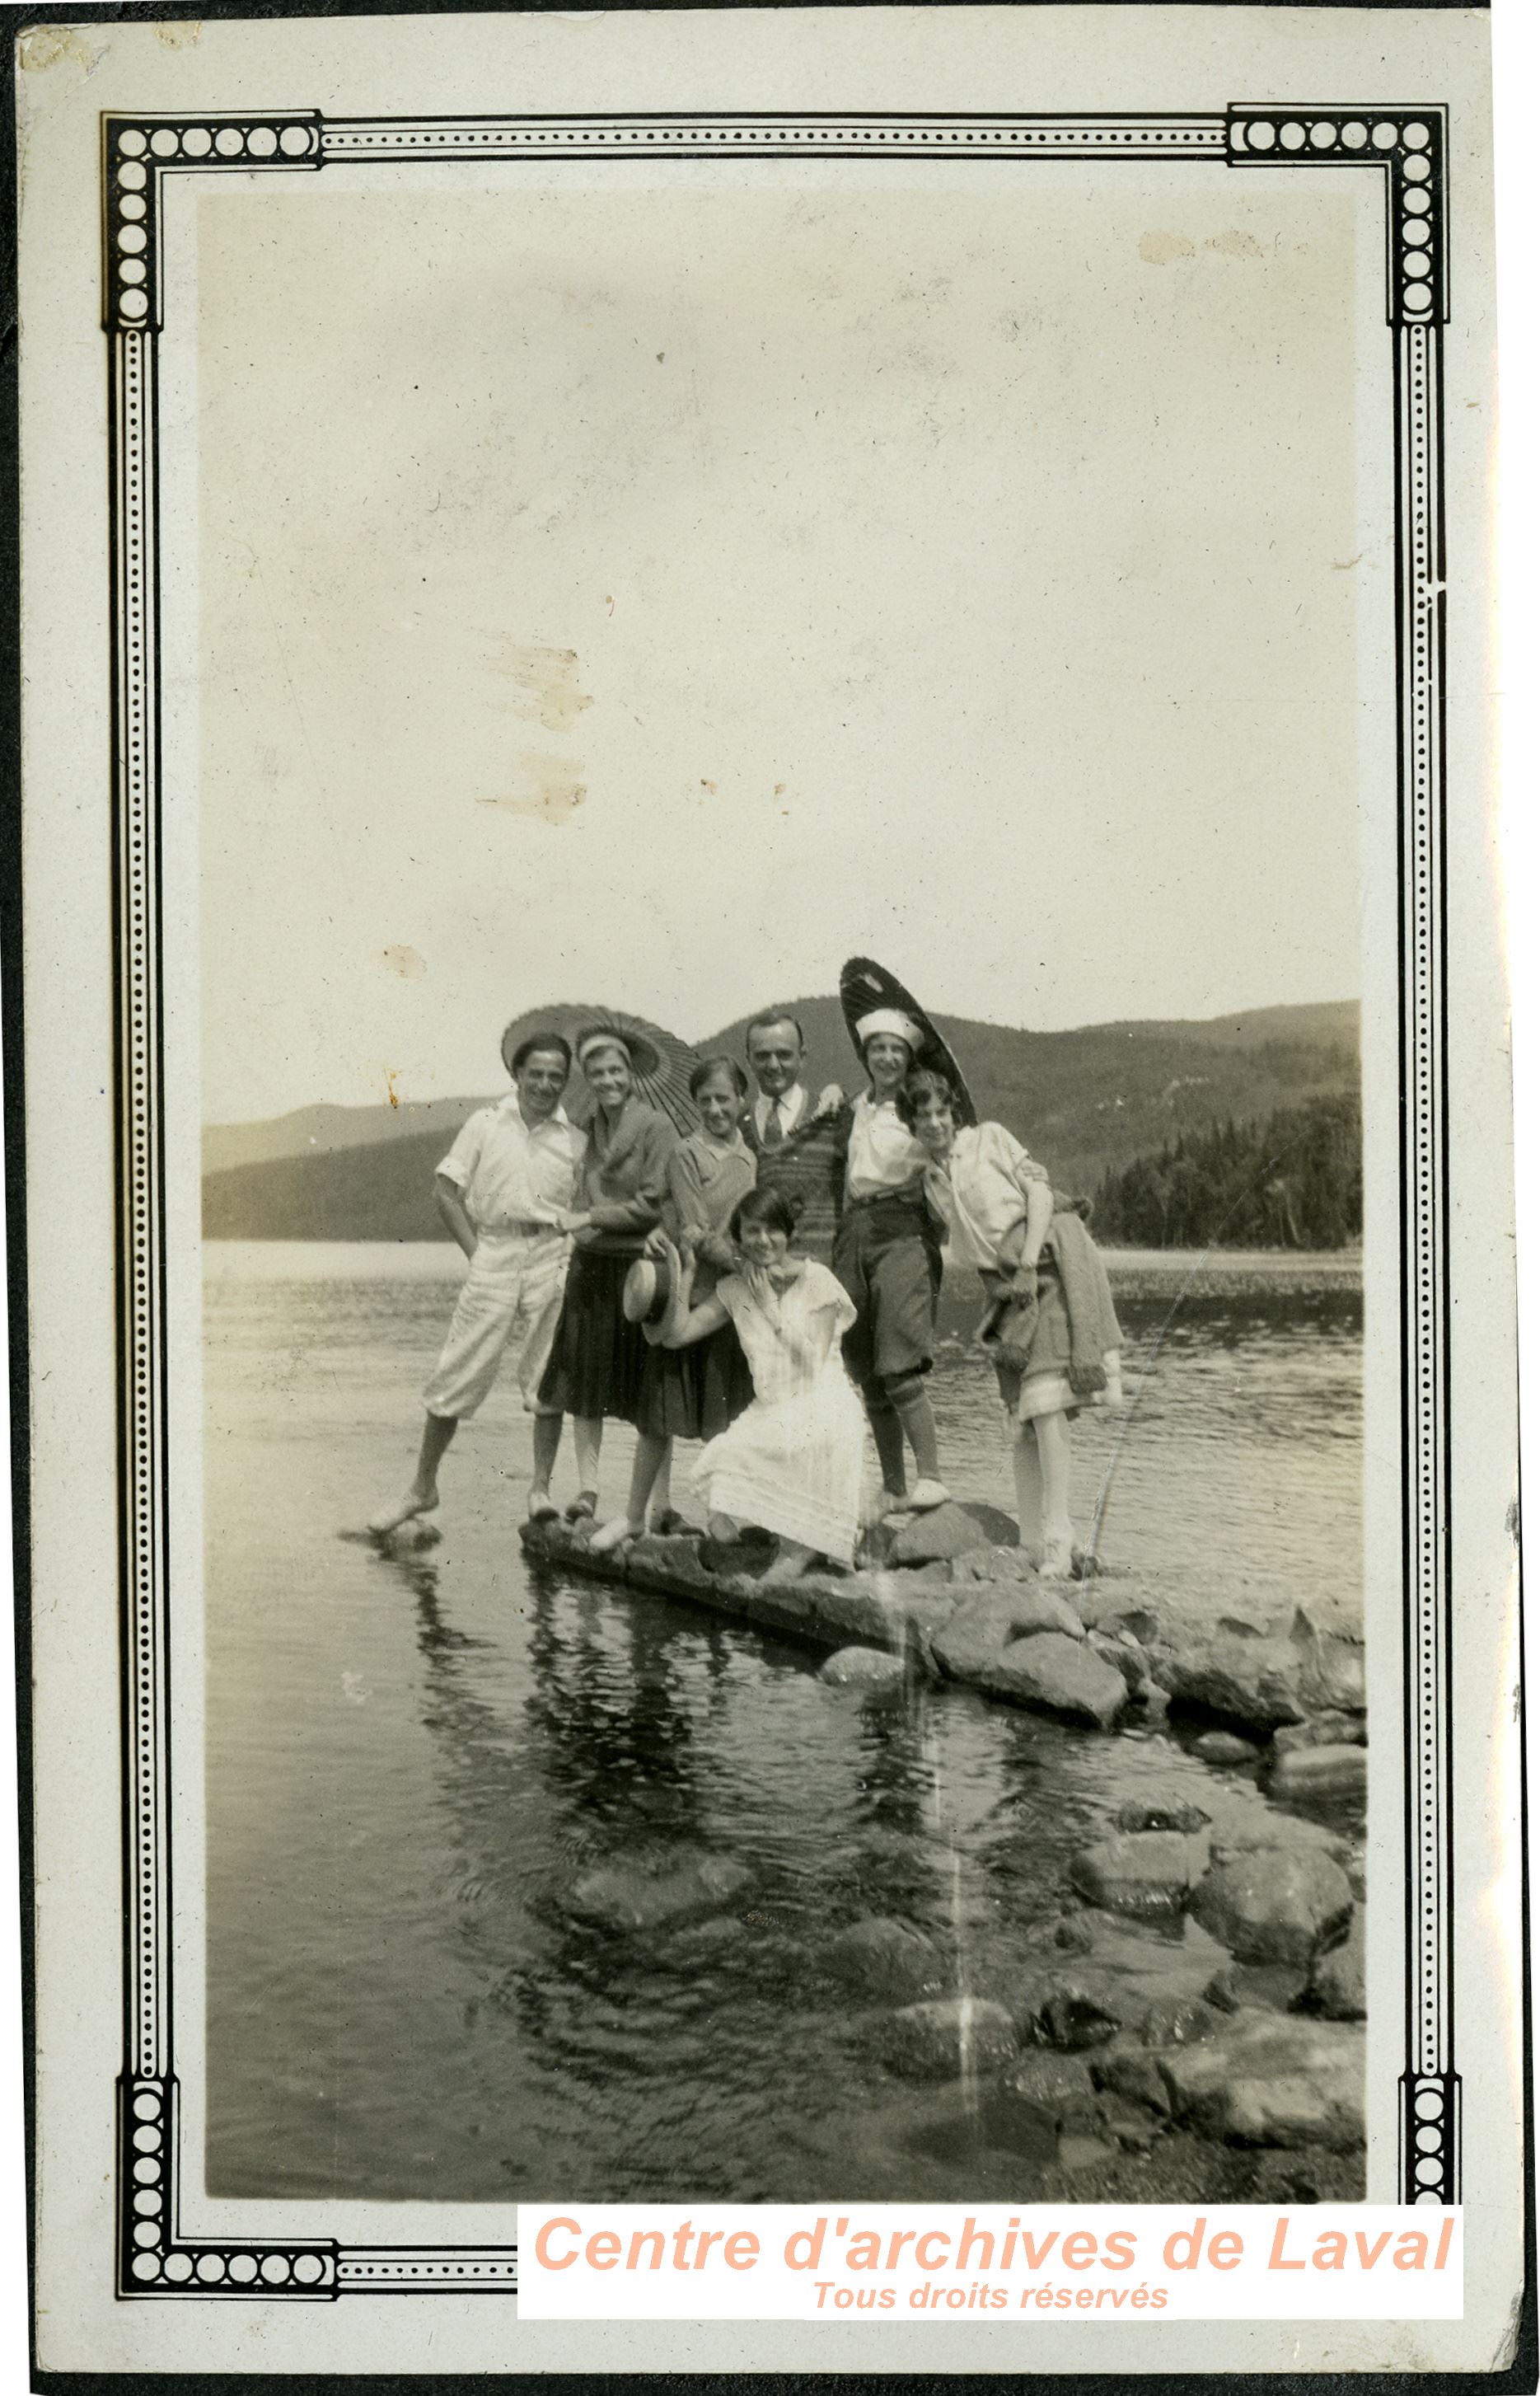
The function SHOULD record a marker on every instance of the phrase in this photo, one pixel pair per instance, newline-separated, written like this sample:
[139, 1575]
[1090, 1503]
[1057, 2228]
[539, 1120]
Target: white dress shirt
[981, 1190]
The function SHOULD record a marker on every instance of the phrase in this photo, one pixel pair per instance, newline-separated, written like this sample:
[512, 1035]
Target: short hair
[729, 1065]
[923, 1081]
[762, 1022]
[555, 1041]
[780, 1208]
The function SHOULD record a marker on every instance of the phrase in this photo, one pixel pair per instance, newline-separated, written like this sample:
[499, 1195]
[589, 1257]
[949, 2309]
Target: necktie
[774, 1132]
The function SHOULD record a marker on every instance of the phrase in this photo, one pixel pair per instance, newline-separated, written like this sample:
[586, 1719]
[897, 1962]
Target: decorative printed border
[1407, 144]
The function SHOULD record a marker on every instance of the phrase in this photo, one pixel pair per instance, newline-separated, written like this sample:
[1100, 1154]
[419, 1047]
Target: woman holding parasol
[597, 1356]
[887, 1251]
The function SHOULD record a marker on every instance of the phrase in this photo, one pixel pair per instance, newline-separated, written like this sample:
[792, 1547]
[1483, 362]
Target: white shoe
[617, 1534]
[1058, 1561]
[407, 1509]
[926, 1495]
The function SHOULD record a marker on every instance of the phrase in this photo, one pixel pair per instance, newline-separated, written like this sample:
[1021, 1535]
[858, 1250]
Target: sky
[653, 592]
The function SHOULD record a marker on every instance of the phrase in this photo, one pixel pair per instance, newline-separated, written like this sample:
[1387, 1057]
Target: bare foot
[1058, 1561]
[406, 1509]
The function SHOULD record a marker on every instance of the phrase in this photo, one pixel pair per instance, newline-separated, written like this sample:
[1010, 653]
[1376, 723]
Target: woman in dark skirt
[597, 1358]
[693, 1392]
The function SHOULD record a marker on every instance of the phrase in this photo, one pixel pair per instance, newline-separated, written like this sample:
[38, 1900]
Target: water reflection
[411, 1761]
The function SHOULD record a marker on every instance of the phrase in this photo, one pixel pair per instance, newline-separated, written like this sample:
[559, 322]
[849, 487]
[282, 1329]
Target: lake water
[410, 1761]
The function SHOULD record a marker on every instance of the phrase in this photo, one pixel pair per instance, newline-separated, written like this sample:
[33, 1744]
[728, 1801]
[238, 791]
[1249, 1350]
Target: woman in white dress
[792, 1463]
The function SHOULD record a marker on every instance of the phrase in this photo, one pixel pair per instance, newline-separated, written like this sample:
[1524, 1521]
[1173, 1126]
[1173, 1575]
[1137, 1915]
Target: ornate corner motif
[1410, 144]
[137, 153]
[153, 2261]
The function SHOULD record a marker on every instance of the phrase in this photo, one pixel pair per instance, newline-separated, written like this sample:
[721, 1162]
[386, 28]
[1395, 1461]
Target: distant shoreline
[1133, 1271]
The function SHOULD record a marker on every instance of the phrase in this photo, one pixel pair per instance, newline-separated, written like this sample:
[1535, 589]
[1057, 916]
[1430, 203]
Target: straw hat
[651, 1289]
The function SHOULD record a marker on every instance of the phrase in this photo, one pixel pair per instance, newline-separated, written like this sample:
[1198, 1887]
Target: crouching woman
[792, 1461]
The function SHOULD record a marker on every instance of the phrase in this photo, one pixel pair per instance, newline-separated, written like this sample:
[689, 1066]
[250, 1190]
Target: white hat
[890, 1018]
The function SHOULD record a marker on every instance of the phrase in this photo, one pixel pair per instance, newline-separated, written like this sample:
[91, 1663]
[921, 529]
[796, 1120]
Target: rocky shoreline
[1201, 1987]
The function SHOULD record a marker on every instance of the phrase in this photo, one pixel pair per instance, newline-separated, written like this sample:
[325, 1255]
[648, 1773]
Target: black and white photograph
[793, 1346]
[786, 1169]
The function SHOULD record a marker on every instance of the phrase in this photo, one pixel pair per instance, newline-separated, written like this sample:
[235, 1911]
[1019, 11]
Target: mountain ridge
[1087, 1101]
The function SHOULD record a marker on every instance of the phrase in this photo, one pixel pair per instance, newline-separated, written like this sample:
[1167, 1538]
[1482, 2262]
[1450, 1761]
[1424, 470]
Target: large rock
[1331, 1671]
[888, 1958]
[1084, 1998]
[1320, 1772]
[1272, 2080]
[881, 1609]
[1336, 1986]
[995, 1564]
[947, 2038]
[1276, 1906]
[945, 1531]
[1115, 1606]
[1223, 1747]
[982, 1626]
[1127, 1657]
[1056, 2088]
[1323, 1730]
[650, 1893]
[1142, 1872]
[869, 1669]
[1061, 1676]
[1240, 1675]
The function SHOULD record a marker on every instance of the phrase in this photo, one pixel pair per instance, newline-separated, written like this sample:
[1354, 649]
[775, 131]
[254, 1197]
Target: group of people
[635, 1274]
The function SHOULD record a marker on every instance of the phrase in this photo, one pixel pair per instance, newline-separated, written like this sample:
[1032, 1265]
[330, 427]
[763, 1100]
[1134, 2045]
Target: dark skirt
[597, 1358]
[695, 1392]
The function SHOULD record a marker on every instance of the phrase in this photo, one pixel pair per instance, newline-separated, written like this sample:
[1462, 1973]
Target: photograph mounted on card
[793, 961]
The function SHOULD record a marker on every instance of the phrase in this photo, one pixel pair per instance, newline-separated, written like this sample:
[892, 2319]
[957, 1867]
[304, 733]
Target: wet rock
[1236, 1673]
[945, 1531]
[1331, 1675]
[1061, 1676]
[1174, 1814]
[977, 1635]
[1320, 1772]
[1131, 2126]
[1088, 1998]
[1275, 1907]
[997, 1527]
[1224, 1747]
[668, 1563]
[1105, 1606]
[1246, 1823]
[1058, 2089]
[1272, 2080]
[1335, 1985]
[1127, 1658]
[887, 1957]
[946, 2038]
[863, 1668]
[645, 1895]
[1323, 1730]
[1142, 1872]
[995, 1564]
[1180, 2021]
[1128, 2068]
[881, 1609]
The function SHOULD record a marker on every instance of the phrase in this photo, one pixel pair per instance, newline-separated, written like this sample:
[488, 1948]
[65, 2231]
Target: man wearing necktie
[776, 1056]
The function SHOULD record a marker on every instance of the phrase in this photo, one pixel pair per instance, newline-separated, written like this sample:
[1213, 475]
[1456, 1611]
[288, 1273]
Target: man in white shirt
[777, 1054]
[503, 1189]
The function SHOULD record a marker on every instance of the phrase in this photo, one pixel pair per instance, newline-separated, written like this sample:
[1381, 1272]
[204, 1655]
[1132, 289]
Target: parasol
[865, 985]
[663, 1066]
